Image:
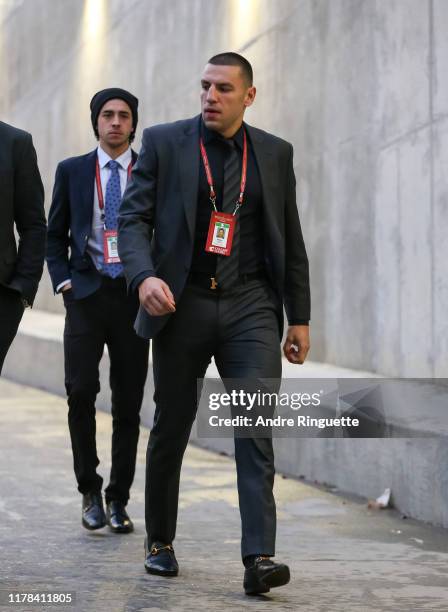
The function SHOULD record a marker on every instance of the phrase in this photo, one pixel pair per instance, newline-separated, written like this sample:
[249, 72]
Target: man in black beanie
[85, 268]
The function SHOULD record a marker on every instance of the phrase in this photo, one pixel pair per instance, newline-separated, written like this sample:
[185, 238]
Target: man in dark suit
[22, 205]
[200, 298]
[84, 266]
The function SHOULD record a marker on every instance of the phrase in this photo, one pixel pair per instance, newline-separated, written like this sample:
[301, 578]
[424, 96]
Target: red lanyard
[98, 182]
[208, 172]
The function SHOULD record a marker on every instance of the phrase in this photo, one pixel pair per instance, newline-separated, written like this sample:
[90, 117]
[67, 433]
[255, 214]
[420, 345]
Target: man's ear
[250, 96]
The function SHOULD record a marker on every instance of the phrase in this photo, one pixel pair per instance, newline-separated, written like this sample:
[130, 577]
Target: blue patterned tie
[111, 206]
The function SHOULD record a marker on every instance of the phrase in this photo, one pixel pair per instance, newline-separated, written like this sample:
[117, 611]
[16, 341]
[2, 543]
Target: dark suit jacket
[157, 217]
[70, 224]
[22, 204]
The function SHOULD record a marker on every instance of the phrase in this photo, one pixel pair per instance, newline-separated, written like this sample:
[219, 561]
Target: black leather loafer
[93, 516]
[117, 518]
[160, 559]
[263, 575]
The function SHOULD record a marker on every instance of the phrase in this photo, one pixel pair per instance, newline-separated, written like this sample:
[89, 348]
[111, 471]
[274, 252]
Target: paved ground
[343, 557]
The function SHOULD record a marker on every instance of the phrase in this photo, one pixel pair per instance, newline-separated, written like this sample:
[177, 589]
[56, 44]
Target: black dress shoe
[263, 575]
[93, 516]
[160, 559]
[117, 517]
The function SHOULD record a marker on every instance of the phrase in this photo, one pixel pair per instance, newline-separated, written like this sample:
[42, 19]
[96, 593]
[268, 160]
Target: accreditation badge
[110, 247]
[220, 233]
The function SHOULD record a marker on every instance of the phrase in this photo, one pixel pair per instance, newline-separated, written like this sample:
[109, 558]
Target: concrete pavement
[413, 467]
[343, 557]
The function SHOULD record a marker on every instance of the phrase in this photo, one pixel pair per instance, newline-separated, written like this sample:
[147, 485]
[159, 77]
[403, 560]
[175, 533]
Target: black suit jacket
[70, 224]
[22, 204]
[157, 217]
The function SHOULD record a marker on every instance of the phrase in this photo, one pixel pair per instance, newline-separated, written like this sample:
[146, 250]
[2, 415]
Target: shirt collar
[124, 159]
[210, 135]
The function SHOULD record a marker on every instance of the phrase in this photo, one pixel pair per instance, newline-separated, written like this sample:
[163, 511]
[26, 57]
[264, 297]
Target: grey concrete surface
[414, 468]
[343, 556]
[360, 89]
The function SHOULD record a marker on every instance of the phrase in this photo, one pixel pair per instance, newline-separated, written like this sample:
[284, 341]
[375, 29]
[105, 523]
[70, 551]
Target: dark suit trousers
[11, 311]
[105, 317]
[240, 329]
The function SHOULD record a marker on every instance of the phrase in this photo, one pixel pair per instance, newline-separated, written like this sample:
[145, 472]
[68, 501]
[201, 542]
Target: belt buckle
[213, 283]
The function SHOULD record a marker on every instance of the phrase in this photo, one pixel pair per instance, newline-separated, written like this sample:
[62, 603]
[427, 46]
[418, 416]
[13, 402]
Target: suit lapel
[87, 182]
[87, 186]
[189, 170]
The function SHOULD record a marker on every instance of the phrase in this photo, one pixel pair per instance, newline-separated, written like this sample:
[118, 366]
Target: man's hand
[156, 297]
[66, 287]
[297, 343]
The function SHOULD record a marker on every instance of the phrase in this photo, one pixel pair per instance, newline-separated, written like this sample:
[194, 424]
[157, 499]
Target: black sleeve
[137, 214]
[29, 218]
[58, 229]
[297, 285]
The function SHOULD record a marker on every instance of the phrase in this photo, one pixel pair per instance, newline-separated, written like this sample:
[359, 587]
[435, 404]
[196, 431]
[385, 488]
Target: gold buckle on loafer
[155, 550]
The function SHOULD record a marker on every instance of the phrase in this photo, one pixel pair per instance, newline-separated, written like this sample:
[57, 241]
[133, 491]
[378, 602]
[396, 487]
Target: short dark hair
[229, 58]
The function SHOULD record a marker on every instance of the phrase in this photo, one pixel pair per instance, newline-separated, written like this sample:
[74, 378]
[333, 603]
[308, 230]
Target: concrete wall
[359, 86]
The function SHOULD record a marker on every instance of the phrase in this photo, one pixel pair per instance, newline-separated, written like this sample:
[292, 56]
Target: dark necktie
[111, 206]
[227, 268]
